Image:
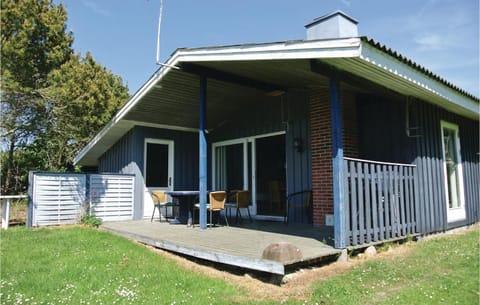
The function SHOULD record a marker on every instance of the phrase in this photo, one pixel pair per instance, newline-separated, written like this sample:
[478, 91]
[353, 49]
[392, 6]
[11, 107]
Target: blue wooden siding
[185, 154]
[299, 165]
[287, 113]
[265, 116]
[429, 162]
[122, 158]
[383, 137]
[127, 156]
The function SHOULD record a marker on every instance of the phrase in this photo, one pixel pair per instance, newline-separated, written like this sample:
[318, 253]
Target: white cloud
[432, 41]
[97, 9]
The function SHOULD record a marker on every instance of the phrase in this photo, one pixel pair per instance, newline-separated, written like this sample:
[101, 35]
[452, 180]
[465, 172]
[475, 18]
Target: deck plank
[236, 246]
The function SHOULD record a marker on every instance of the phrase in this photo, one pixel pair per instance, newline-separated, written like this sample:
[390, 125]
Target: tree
[82, 97]
[52, 100]
[34, 42]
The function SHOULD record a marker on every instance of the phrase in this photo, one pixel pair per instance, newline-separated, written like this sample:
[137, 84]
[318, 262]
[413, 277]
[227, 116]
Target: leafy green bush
[91, 221]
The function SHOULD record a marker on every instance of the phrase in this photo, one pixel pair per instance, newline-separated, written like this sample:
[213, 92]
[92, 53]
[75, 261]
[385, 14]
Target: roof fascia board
[163, 126]
[394, 66]
[349, 47]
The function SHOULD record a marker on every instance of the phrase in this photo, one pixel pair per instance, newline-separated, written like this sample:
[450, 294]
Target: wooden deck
[240, 246]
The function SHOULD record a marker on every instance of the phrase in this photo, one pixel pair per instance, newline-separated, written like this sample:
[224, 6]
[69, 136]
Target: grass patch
[82, 265]
[442, 270]
[79, 265]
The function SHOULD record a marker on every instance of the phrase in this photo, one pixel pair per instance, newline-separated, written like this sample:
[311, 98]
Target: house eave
[411, 80]
[269, 51]
[356, 55]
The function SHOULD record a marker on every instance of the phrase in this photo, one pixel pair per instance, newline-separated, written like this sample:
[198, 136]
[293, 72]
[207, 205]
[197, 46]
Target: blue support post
[202, 142]
[340, 222]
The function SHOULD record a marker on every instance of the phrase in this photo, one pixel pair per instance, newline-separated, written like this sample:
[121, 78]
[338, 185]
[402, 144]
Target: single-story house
[387, 147]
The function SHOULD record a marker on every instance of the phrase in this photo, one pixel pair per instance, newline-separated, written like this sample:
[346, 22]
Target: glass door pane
[157, 165]
[271, 175]
[158, 170]
[451, 168]
[229, 167]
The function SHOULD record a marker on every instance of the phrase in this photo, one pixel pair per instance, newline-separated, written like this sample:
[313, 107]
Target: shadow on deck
[237, 246]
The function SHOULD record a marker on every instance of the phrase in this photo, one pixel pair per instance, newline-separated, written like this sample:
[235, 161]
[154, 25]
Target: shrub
[91, 221]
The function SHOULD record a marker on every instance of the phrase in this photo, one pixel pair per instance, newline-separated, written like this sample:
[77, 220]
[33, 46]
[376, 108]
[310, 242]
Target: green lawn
[86, 266]
[79, 265]
[442, 270]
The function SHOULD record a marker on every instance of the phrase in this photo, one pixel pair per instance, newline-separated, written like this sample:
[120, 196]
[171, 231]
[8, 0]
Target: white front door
[452, 167]
[158, 170]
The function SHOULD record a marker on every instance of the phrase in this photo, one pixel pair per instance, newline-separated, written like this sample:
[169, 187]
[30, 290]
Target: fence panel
[379, 200]
[57, 198]
[111, 196]
[62, 198]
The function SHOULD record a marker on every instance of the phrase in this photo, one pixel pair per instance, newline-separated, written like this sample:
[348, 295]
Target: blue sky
[441, 35]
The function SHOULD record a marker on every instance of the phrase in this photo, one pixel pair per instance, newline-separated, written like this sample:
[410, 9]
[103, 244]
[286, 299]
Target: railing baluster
[396, 202]
[387, 188]
[367, 203]
[381, 203]
[402, 180]
[354, 214]
[374, 180]
[347, 201]
[361, 215]
[411, 221]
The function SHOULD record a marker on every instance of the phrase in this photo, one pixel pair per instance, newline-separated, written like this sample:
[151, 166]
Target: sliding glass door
[256, 164]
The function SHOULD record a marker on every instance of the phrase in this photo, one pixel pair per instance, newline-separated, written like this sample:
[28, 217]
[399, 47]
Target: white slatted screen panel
[111, 196]
[57, 198]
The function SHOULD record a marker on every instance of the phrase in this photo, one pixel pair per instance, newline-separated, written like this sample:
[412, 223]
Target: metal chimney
[333, 25]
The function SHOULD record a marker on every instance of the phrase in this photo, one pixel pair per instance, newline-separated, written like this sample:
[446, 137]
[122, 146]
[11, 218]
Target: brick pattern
[321, 147]
[350, 125]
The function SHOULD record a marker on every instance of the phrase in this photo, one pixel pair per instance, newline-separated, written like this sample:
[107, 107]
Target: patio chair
[242, 201]
[300, 199]
[160, 200]
[217, 204]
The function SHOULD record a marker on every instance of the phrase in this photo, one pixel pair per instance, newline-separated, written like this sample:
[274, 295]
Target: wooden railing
[379, 200]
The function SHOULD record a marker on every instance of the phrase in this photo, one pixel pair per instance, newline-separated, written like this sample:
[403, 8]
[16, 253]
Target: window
[452, 166]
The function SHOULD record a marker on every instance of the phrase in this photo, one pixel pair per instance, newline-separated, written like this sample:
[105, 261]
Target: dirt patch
[261, 287]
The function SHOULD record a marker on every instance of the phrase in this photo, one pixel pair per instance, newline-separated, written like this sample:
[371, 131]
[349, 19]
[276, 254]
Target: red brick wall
[321, 147]
[350, 125]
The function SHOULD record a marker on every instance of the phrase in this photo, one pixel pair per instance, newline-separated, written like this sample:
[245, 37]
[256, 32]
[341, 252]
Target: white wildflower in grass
[126, 293]
[18, 298]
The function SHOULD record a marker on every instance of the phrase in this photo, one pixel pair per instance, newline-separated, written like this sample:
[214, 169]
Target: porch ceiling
[174, 101]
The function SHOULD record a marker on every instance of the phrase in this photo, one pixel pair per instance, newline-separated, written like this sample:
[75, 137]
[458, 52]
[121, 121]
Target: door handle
[169, 181]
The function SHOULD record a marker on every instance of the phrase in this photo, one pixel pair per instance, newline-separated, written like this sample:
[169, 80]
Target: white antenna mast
[158, 38]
